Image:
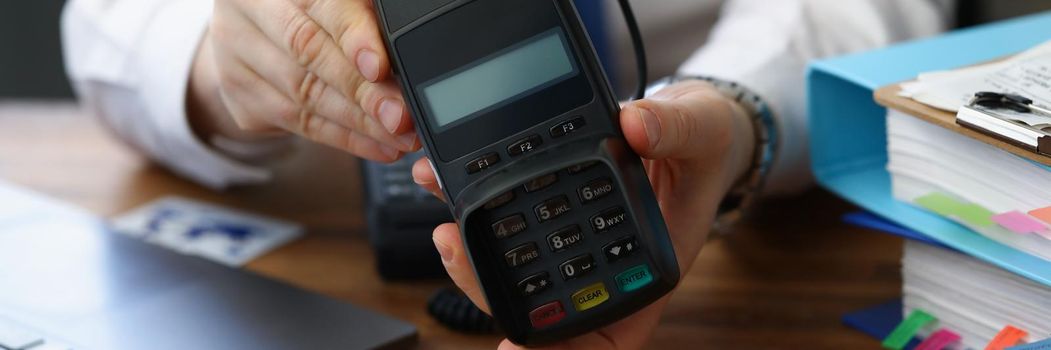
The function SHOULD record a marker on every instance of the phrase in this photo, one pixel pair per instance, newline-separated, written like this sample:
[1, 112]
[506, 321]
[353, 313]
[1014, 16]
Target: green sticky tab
[904, 332]
[976, 215]
[944, 205]
[940, 203]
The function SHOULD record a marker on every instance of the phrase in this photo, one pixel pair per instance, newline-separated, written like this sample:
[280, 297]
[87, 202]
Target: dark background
[31, 58]
[30, 51]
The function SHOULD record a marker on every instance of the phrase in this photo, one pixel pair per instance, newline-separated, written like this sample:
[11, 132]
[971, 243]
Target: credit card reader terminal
[519, 121]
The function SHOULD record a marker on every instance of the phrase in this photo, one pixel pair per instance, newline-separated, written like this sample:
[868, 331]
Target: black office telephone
[401, 216]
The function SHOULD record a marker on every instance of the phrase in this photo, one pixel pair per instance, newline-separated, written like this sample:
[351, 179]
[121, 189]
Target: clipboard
[888, 97]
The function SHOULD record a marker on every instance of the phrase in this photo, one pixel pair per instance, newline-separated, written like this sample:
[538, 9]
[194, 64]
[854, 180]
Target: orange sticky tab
[1008, 337]
[1042, 214]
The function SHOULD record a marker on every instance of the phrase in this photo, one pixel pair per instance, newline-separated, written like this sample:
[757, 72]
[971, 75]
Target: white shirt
[130, 63]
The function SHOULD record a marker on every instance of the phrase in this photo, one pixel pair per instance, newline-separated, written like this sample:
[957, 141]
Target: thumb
[454, 256]
[683, 121]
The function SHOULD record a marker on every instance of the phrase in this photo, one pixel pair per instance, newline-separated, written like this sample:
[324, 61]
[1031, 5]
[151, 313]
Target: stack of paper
[994, 193]
[989, 190]
[972, 298]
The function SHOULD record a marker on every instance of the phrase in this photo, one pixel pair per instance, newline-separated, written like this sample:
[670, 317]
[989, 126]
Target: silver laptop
[68, 283]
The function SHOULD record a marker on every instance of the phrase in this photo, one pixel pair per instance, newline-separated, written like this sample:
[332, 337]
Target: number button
[552, 208]
[524, 145]
[576, 267]
[567, 127]
[482, 163]
[541, 182]
[509, 226]
[595, 190]
[564, 238]
[534, 284]
[608, 219]
[522, 255]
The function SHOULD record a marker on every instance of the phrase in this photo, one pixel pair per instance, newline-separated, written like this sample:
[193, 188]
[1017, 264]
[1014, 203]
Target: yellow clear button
[590, 297]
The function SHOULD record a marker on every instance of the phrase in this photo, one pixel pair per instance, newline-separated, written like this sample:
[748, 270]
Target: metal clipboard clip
[1020, 104]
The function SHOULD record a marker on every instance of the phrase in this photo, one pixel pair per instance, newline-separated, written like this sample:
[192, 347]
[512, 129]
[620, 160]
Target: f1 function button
[482, 163]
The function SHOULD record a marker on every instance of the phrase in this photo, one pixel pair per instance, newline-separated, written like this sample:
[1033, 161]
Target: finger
[423, 174]
[250, 46]
[630, 333]
[303, 40]
[450, 246]
[354, 28]
[250, 99]
[325, 131]
[683, 121]
[305, 43]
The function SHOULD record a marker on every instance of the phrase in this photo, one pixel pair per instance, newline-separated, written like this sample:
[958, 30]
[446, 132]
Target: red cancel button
[547, 315]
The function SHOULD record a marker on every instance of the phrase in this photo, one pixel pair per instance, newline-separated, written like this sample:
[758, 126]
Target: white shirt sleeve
[130, 63]
[766, 46]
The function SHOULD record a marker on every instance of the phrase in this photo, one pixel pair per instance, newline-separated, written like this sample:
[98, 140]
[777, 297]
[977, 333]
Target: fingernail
[390, 115]
[408, 140]
[444, 250]
[652, 126]
[369, 65]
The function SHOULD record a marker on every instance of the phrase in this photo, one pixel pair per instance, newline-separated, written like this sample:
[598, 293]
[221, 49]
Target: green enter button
[634, 278]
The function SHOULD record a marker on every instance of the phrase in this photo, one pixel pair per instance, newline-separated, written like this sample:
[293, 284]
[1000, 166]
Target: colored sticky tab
[1040, 345]
[907, 329]
[1009, 336]
[1019, 223]
[947, 206]
[976, 215]
[1042, 214]
[938, 340]
[940, 203]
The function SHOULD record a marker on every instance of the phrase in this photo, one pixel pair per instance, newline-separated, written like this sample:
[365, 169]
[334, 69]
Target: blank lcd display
[499, 79]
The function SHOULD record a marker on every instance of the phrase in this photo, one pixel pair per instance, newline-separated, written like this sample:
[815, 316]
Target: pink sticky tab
[938, 340]
[1019, 223]
[1042, 214]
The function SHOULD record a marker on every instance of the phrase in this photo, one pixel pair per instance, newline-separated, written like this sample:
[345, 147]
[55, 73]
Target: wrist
[211, 121]
[743, 147]
[761, 152]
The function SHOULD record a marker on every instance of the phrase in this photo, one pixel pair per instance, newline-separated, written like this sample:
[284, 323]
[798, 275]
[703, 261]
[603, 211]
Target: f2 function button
[524, 145]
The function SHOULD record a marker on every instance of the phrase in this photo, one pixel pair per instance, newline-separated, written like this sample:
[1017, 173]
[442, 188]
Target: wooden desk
[781, 282]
